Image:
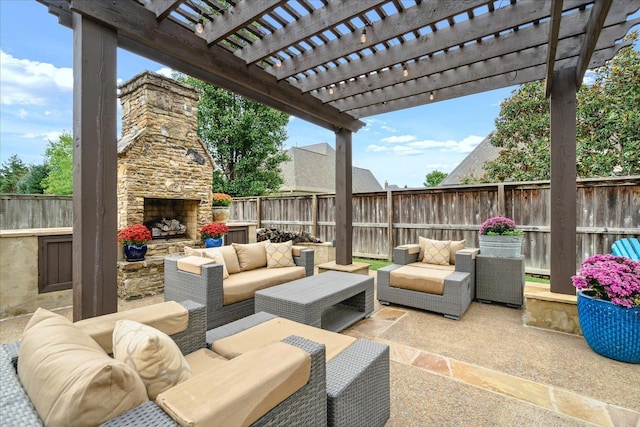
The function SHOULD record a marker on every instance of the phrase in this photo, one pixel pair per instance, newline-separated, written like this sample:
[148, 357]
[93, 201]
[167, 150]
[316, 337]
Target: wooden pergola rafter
[333, 63]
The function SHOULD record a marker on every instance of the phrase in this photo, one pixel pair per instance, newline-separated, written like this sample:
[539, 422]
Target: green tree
[245, 138]
[31, 182]
[434, 178]
[11, 172]
[607, 133]
[59, 157]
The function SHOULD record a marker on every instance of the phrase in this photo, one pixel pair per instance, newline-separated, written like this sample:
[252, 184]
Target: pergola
[330, 63]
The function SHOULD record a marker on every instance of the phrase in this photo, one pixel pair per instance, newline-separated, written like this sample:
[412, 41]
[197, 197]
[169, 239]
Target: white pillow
[152, 354]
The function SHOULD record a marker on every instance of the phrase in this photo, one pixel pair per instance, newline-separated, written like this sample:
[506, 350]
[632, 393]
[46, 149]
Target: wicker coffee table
[333, 300]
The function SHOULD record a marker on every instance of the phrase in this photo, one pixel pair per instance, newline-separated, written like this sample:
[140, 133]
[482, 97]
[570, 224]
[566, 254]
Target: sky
[36, 96]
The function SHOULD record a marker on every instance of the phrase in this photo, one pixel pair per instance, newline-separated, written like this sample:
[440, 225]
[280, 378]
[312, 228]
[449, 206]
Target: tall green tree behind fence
[607, 209]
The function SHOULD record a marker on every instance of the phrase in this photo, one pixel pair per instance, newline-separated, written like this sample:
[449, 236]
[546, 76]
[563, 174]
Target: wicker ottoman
[500, 280]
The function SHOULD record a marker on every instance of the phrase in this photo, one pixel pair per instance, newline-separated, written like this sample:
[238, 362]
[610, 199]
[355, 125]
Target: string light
[330, 91]
[405, 72]
[431, 96]
[278, 63]
[363, 36]
[199, 27]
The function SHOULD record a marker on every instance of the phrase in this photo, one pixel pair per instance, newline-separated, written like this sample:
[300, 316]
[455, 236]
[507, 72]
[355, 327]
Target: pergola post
[94, 169]
[563, 181]
[344, 209]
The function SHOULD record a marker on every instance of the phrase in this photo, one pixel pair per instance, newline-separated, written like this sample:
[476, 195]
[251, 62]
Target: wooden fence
[607, 209]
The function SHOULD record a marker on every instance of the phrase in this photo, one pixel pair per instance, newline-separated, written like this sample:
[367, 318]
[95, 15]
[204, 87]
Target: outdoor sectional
[231, 298]
[446, 289]
[307, 405]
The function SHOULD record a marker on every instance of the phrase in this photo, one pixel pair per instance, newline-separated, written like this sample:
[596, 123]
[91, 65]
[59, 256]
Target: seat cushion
[242, 286]
[251, 255]
[243, 392]
[170, 317]
[276, 330]
[69, 378]
[193, 263]
[279, 254]
[204, 359]
[152, 354]
[419, 279]
[207, 253]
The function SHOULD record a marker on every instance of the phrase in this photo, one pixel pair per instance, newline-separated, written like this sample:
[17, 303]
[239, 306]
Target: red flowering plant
[214, 230]
[611, 278]
[499, 226]
[134, 235]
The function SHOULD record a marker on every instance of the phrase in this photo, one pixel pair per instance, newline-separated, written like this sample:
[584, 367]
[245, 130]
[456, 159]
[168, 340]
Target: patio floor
[486, 369]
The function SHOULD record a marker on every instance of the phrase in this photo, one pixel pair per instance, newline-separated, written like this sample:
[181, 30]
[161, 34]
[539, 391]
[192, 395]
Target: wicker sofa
[306, 406]
[231, 298]
[446, 289]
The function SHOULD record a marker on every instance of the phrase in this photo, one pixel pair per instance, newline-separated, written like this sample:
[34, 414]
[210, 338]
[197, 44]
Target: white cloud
[388, 128]
[47, 136]
[22, 113]
[402, 150]
[166, 71]
[398, 139]
[464, 146]
[26, 82]
[377, 148]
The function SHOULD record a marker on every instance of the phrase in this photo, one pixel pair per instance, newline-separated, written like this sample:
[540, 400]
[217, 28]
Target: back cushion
[456, 245]
[436, 252]
[69, 378]
[230, 259]
[251, 255]
[279, 254]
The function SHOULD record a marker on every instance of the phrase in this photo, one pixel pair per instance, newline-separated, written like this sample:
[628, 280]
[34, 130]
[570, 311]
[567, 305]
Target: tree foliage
[31, 182]
[10, 173]
[607, 133]
[434, 178]
[59, 156]
[245, 139]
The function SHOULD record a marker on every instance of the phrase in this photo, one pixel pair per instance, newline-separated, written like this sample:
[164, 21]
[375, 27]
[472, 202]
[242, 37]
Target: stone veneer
[161, 161]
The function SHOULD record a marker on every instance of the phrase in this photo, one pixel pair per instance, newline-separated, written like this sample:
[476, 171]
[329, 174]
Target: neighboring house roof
[312, 170]
[473, 164]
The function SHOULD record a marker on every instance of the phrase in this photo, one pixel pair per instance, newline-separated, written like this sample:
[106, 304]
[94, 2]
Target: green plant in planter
[221, 199]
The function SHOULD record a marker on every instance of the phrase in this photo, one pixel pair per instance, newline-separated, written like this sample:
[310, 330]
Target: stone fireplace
[164, 172]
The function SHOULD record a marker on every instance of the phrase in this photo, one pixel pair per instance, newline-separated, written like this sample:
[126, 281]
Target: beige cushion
[276, 330]
[193, 263]
[251, 255]
[279, 254]
[152, 354]
[69, 378]
[436, 251]
[188, 251]
[456, 245]
[242, 286]
[170, 317]
[230, 259]
[413, 249]
[419, 279]
[204, 359]
[246, 389]
[425, 266]
[297, 250]
[207, 253]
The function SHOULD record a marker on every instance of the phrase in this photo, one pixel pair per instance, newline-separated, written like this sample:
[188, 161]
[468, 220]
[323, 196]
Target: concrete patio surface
[486, 369]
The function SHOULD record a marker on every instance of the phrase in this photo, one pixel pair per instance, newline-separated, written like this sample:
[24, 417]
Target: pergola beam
[598, 16]
[162, 8]
[554, 30]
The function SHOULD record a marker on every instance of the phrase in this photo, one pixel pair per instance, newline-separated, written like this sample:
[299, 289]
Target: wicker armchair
[305, 407]
[207, 288]
[459, 286]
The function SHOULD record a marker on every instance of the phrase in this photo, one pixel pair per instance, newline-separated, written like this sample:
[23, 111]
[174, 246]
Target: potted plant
[221, 203]
[608, 289]
[133, 240]
[211, 234]
[500, 237]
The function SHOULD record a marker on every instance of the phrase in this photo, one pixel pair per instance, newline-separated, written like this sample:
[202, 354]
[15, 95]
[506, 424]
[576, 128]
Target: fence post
[314, 215]
[502, 210]
[390, 241]
[258, 212]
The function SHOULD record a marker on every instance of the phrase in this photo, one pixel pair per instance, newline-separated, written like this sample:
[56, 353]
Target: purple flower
[497, 225]
[612, 278]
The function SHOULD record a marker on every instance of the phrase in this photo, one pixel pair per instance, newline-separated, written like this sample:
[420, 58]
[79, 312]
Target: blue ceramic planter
[212, 243]
[135, 253]
[610, 330]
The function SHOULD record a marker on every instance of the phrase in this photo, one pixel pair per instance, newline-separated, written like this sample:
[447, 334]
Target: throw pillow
[456, 245]
[279, 254]
[152, 354]
[230, 259]
[251, 255]
[214, 253]
[436, 252]
[69, 378]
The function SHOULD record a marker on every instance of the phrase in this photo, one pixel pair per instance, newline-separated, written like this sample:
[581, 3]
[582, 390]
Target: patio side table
[500, 280]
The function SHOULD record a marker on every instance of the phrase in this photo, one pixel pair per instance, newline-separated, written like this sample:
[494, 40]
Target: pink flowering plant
[612, 278]
[499, 226]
